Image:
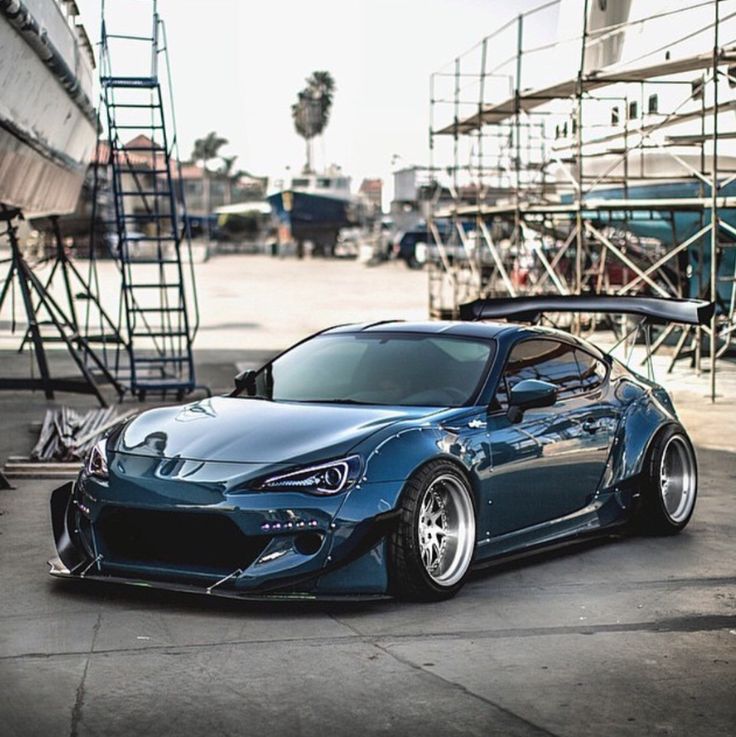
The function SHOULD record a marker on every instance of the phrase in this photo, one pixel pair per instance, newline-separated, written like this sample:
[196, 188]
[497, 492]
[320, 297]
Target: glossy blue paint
[561, 471]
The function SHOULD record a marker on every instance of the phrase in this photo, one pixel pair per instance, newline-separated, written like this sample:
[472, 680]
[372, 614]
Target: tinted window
[592, 371]
[546, 360]
[374, 368]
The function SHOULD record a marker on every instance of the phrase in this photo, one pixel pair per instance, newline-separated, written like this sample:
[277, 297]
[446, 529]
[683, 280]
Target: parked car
[386, 459]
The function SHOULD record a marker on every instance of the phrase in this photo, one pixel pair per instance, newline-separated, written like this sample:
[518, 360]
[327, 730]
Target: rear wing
[654, 310]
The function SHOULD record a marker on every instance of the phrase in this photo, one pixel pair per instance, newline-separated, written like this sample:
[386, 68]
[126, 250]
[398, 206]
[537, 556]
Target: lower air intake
[203, 541]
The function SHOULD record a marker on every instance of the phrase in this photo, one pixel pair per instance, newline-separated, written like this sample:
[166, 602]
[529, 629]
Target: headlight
[96, 464]
[325, 478]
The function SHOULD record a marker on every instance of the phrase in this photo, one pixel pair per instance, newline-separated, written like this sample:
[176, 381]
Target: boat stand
[29, 285]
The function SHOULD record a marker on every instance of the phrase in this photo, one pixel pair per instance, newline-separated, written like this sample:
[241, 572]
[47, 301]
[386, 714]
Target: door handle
[591, 425]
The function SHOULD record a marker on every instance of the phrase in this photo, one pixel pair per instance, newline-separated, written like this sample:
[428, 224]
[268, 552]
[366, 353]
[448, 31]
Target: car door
[547, 465]
[597, 417]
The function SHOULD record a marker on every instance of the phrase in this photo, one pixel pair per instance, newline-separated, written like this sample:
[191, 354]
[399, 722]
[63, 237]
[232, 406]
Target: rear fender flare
[640, 424]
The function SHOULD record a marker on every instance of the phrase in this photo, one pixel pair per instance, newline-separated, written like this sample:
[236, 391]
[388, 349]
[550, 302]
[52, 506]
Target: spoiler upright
[656, 310]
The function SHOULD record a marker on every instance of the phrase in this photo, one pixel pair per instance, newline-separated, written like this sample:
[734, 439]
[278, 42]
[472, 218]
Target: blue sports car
[386, 459]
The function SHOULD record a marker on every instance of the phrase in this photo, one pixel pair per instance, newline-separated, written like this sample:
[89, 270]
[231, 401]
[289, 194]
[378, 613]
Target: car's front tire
[430, 552]
[669, 483]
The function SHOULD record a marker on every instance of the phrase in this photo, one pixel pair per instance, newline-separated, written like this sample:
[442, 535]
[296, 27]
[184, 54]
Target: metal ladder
[159, 297]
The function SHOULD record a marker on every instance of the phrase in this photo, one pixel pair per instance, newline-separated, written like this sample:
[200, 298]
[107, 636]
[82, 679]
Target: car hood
[229, 429]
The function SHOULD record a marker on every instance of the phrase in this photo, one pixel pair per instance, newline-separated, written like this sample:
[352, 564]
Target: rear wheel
[431, 551]
[670, 484]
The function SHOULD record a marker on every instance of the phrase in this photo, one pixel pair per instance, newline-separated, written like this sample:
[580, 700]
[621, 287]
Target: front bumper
[248, 548]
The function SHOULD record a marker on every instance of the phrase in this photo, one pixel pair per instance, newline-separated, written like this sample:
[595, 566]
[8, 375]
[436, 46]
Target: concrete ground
[632, 636]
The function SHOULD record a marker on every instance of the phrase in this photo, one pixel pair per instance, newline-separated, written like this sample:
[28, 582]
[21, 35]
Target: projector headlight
[324, 478]
[96, 464]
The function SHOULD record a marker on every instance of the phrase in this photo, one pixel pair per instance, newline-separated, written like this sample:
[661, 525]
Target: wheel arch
[641, 424]
[472, 481]
[406, 451]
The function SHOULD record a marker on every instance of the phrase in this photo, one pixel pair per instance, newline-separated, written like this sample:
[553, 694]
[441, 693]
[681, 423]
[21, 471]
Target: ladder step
[153, 285]
[128, 37]
[137, 238]
[159, 334]
[155, 384]
[144, 126]
[129, 81]
[158, 310]
[162, 359]
[129, 170]
[145, 192]
[132, 216]
[151, 149]
[151, 261]
[133, 105]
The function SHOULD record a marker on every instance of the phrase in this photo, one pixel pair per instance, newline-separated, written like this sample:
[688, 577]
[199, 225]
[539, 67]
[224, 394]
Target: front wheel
[432, 548]
[669, 484]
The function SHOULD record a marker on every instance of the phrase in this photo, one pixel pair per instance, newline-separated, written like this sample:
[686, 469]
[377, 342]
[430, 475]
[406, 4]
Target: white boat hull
[47, 125]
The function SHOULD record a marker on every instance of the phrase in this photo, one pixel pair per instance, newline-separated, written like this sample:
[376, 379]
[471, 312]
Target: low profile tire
[669, 484]
[430, 552]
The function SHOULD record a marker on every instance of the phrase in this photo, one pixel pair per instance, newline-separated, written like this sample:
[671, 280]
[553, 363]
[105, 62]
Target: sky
[238, 65]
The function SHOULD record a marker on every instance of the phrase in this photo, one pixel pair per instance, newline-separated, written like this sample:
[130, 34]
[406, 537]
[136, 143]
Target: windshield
[418, 370]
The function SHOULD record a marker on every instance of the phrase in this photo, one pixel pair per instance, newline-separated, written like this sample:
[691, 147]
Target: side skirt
[603, 515]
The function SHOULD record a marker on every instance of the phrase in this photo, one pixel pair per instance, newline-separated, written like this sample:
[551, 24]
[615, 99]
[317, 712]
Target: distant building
[224, 189]
[191, 184]
[143, 162]
[407, 182]
[372, 190]
[410, 204]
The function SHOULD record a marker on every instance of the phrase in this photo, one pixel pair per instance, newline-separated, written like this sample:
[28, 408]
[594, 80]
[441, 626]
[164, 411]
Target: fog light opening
[308, 543]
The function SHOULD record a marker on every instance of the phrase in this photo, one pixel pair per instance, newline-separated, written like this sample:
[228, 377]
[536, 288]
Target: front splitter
[59, 570]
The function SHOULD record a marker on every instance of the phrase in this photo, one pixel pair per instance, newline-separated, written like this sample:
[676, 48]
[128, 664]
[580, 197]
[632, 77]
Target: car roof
[480, 329]
[429, 327]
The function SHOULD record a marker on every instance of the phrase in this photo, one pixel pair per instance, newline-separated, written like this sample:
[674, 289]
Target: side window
[546, 360]
[592, 371]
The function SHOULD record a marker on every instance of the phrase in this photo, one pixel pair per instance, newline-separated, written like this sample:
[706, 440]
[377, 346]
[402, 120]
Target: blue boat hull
[309, 216]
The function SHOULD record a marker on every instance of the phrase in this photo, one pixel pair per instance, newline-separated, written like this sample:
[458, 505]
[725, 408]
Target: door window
[545, 360]
[592, 371]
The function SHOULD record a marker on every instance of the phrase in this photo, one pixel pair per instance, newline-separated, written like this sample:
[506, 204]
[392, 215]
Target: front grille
[204, 541]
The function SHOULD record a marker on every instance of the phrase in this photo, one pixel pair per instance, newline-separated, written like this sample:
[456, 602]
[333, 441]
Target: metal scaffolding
[578, 162]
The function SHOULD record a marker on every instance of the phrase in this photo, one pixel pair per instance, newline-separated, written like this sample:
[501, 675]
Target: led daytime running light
[325, 478]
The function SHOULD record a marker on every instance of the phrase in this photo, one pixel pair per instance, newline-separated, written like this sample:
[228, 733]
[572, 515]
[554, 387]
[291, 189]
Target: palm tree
[311, 111]
[205, 149]
[231, 177]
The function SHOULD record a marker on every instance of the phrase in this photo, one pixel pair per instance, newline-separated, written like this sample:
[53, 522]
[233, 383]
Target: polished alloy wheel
[446, 530]
[677, 479]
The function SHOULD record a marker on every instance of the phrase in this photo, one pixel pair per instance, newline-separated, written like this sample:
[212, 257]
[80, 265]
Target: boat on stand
[314, 207]
[48, 125]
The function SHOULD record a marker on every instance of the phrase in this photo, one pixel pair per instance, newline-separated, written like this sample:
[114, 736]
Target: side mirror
[246, 381]
[528, 394]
